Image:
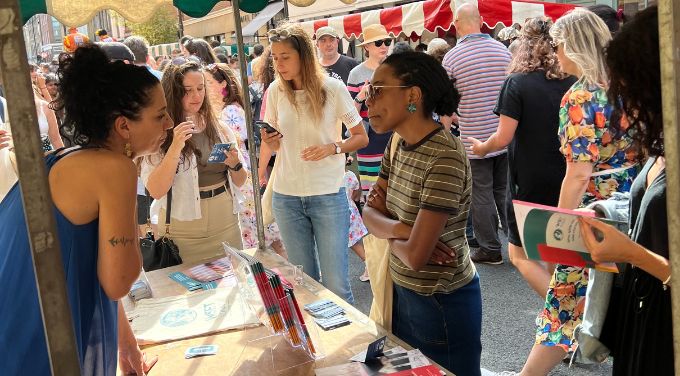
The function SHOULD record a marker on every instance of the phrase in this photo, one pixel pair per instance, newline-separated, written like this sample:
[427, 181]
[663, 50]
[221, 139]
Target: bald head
[468, 20]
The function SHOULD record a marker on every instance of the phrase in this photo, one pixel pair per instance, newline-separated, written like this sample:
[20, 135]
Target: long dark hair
[201, 49]
[221, 73]
[635, 80]
[173, 86]
[440, 95]
[93, 92]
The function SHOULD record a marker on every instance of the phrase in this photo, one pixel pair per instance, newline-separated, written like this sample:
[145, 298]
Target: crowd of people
[562, 113]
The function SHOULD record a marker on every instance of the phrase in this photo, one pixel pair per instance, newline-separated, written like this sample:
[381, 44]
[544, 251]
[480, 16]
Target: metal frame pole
[669, 46]
[37, 202]
[249, 124]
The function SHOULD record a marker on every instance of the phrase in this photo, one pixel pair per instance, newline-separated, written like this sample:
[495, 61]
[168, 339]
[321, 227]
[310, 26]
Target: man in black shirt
[338, 66]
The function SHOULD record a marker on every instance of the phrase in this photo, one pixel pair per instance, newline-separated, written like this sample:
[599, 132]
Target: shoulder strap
[394, 144]
[168, 210]
[2, 111]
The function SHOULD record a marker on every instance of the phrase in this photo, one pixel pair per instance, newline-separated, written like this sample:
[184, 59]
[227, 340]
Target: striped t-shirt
[433, 174]
[479, 64]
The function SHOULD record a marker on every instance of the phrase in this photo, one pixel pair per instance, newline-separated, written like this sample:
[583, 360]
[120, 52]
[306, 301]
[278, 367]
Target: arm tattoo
[122, 241]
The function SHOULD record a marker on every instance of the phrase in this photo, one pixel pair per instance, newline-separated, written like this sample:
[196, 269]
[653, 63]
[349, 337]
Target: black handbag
[162, 252]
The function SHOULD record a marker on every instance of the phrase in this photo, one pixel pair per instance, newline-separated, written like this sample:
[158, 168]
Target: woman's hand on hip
[318, 152]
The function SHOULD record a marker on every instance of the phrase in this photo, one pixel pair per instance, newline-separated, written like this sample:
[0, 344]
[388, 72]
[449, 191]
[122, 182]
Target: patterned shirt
[586, 136]
[433, 174]
[479, 65]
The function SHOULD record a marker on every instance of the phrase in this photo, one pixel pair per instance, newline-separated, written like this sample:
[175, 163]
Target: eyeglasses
[379, 43]
[374, 91]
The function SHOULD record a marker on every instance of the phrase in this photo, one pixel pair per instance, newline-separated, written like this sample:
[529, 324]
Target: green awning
[79, 12]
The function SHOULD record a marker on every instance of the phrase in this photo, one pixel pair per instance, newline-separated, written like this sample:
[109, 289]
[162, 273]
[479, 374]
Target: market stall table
[253, 350]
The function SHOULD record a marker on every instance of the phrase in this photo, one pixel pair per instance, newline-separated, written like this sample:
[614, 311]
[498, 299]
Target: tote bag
[378, 265]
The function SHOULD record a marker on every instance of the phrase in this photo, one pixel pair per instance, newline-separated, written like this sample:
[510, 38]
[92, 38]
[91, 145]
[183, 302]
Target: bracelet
[238, 167]
[667, 282]
[43, 87]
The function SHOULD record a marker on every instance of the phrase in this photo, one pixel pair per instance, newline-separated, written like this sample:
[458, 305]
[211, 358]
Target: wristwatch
[360, 101]
[337, 148]
[238, 167]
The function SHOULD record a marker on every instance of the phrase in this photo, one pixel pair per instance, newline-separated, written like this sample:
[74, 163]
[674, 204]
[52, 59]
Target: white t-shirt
[295, 177]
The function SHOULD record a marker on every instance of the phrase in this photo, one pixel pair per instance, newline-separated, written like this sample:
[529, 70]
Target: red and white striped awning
[433, 15]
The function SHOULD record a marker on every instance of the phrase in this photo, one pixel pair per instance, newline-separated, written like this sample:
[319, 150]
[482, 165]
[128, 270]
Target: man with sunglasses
[376, 46]
[479, 64]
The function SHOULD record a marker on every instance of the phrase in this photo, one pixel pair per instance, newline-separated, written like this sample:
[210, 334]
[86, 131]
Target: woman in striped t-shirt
[420, 203]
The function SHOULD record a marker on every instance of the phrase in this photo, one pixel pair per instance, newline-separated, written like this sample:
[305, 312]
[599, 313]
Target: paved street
[510, 309]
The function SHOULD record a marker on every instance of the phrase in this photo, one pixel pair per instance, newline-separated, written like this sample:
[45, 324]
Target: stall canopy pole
[669, 45]
[249, 123]
[37, 202]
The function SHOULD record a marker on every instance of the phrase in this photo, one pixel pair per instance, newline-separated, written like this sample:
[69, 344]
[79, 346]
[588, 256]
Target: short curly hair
[635, 79]
[534, 51]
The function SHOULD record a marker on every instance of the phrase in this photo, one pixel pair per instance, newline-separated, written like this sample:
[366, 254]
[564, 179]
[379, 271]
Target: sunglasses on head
[374, 91]
[379, 43]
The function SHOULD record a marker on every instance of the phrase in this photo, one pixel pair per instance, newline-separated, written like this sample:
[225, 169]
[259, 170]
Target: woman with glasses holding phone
[205, 196]
[376, 45]
[307, 108]
[420, 203]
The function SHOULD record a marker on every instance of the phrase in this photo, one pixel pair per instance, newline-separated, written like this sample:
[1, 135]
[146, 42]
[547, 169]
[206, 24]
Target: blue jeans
[317, 227]
[445, 327]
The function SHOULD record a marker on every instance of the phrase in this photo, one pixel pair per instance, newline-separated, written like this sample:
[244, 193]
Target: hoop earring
[411, 108]
[128, 150]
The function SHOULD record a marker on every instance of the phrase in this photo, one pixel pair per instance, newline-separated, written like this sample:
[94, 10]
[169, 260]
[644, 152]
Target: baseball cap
[326, 30]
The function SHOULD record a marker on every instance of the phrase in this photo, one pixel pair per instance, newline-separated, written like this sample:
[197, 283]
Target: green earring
[411, 108]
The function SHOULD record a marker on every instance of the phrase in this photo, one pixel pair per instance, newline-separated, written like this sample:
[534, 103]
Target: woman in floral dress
[225, 92]
[600, 161]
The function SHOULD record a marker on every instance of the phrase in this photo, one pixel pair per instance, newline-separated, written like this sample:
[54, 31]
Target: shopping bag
[378, 265]
[267, 210]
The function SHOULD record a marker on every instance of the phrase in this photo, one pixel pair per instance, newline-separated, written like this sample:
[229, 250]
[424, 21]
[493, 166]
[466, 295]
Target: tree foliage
[159, 29]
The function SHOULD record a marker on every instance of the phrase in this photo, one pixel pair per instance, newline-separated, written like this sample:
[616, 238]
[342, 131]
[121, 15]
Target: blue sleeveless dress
[23, 348]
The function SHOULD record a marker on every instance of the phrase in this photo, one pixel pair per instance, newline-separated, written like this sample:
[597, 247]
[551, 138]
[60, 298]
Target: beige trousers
[201, 239]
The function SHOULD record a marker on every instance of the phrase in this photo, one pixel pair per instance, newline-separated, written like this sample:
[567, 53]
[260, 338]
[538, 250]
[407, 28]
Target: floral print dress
[357, 229]
[586, 135]
[234, 116]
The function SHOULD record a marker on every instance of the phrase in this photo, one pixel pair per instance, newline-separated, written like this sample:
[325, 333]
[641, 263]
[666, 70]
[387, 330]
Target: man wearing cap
[74, 40]
[376, 45]
[337, 65]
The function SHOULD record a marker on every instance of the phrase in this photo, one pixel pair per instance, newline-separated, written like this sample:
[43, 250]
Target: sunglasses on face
[379, 43]
[374, 91]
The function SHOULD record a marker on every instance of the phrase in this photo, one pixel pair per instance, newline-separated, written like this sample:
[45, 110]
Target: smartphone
[217, 153]
[267, 127]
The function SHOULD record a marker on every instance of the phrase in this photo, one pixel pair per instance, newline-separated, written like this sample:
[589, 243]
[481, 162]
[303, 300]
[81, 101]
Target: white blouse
[295, 177]
[186, 201]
